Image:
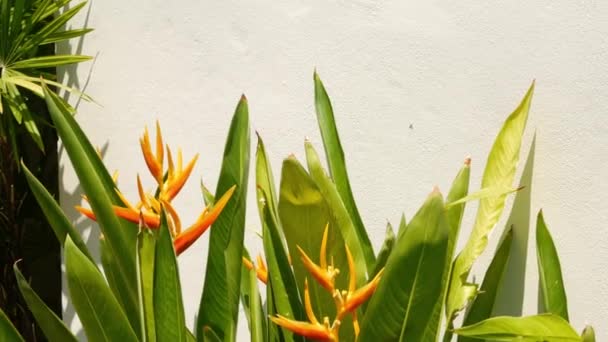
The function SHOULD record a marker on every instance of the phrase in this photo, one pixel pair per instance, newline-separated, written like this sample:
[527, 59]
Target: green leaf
[22, 45]
[281, 280]
[385, 250]
[169, 317]
[98, 310]
[51, 325]
[252, 302]
[588, 334]
[208, 197]
[99, 188]
[459, 190]
[146, 243]
[339, 214]
[32, 84]
[54, 214]
[337, 167]
[553, 295]
[546, 327]
[482, 306]
[65, 35]
[220, 299]
[402, 306]
[304, 214]
[499, 172]
[209, 335]
[264, 179]
[483, 194]
[48, 61]
[7, 330]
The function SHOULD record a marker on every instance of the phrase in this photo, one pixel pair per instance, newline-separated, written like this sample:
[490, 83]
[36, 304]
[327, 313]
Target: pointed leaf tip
[467, 161]
[243, 98]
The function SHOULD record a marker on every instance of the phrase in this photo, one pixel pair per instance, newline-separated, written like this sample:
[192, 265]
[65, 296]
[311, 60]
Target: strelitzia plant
[417, 283]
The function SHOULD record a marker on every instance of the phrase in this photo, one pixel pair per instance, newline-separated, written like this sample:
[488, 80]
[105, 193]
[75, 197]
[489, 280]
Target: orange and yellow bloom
[347, 301]
[169, 184]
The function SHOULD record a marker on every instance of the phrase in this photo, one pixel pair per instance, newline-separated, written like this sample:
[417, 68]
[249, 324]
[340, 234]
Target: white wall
[416, 87]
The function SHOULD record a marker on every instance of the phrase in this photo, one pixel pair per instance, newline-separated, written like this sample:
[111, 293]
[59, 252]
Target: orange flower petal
[190, 235]
[178, 182]
[309, 312]
[362, 294]
[151, 220]
[352, 282]
[151, 162]
[86, 212]
[314, 331]
[317, 272]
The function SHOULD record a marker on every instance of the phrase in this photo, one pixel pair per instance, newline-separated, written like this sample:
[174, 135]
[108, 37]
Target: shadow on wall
[68, 199]
[510, 297]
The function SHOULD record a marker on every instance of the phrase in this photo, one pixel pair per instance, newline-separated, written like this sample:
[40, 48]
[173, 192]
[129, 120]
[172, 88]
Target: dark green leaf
[51, 325]
[54, 214]
[385, 250]
[482, 306]
[337, 166]
[220, 299]
[65, 35]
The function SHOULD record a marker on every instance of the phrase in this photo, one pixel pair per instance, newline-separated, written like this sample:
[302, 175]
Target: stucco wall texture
[416, 87]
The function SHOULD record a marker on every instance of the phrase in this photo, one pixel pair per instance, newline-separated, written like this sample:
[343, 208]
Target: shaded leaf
[482, 306]
[402, 306]
[51, 325]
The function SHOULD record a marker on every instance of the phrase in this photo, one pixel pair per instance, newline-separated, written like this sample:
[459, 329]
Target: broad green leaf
[339, 214]
[337, 167]
[169, 317]
[102, 317]
[304, 214]
[98, 186]
[482, 306]
[54, 214]
[499, 172]
[220, 300]
[385, 250]
[146, 243]
[7, 331]
[402, 306]
[588, 334]
[48, 61]
[545, 327]
[51, 325]
[552, 293]
[458, 190]
[281, 280]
